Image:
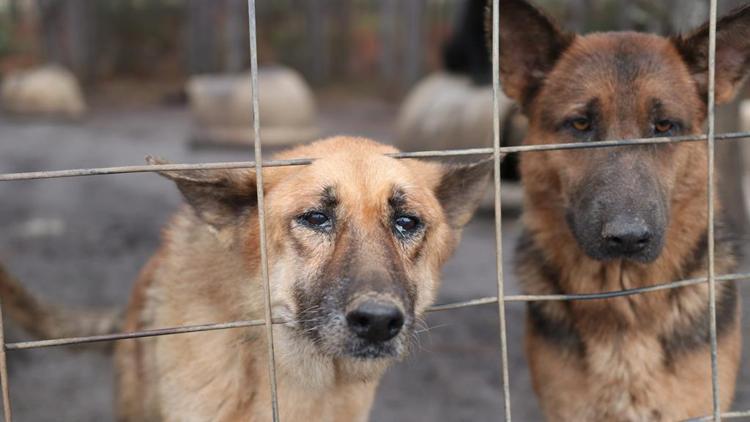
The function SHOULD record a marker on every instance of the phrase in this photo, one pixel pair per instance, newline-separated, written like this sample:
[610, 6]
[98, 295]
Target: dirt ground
[81, 241]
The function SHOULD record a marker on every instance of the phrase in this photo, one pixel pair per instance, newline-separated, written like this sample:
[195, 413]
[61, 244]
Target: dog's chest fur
[623, 354]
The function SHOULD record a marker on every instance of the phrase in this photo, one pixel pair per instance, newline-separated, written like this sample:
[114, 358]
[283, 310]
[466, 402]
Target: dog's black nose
[375, 321]
[626, 236]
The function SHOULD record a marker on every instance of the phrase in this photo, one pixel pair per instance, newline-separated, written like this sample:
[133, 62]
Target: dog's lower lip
[373, 350]
[366, 353]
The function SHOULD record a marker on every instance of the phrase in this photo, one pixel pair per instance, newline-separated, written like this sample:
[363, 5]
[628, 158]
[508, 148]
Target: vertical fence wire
[4, 372]
[261, 208]
[498, 205]
[497, 155]
[710, 146]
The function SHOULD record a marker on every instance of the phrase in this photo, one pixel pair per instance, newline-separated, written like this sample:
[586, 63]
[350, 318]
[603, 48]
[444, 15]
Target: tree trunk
[579, 15]
[319, 54]
[414, 50]
[51, 29]
[67, 33]
[14, 14]
[202, 48]
[80, 21]
[343, 24]
[388, 55]
[237, 44]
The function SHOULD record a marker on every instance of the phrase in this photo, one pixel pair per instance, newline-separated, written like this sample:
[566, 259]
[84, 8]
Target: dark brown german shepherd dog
[617, 218]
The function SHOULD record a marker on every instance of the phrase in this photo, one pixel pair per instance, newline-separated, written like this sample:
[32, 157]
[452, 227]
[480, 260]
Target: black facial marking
[629, 64]
[620, 209]
[590, 114]
[321, 218]
[309, 315]
[658, 114]
[397, 201]
[355, 269]
[299, 248]
[397, 273]
[328, 198]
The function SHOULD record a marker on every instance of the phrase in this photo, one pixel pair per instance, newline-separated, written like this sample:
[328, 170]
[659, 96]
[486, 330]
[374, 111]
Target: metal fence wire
[500, 300]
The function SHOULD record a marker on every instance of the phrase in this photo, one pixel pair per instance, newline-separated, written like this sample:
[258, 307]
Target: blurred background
[93, 83]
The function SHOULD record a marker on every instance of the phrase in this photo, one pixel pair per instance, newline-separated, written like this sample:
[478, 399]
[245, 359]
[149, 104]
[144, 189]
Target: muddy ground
[81, 241]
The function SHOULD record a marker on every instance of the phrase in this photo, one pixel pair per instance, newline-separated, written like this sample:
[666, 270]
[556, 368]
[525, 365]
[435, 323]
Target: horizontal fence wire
[304, 161]
[436, 308]
[727, 415]
[497, 152]
[148, 168]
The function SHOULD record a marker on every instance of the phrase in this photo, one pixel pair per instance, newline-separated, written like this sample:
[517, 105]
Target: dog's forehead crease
[620, 73]
[372, 179]
[621, 57]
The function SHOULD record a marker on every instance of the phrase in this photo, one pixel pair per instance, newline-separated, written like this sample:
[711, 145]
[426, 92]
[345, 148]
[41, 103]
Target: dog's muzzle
[364, 325]
[375, 321]
[621, 212]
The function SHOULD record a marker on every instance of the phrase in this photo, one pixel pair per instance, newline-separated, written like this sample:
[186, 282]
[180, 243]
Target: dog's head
[619, 85]
[356, 239]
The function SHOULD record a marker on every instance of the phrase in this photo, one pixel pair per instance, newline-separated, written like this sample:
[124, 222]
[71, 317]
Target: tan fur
[204, 275]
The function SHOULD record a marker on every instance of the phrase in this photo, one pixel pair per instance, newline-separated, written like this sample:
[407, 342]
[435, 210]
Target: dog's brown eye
[406, 224]
[316, 220]
[663, 126]
[581, 124]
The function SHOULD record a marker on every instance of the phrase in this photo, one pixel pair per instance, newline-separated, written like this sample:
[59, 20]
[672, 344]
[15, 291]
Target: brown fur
[642, 357]
[209, 273]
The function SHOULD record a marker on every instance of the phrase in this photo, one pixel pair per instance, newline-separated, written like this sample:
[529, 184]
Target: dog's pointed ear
[461, 189]
[219, 197]
[530, 45]
[732, 54]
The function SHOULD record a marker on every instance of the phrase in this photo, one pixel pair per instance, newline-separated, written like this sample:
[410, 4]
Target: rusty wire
[7, 413]
[150, 168]
[503, 331]
[498, 154]
[727, 415]
[710, 146]
[262, 211]
[67, 341]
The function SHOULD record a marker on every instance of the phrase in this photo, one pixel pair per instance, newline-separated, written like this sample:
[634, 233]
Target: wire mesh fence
[498, 152]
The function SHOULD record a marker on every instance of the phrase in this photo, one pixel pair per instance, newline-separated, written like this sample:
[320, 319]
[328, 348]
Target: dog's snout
[375, 321]
[626, 236]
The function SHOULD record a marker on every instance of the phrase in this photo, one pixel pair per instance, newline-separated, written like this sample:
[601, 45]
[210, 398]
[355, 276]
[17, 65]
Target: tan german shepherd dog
[608, 219]
[356, 242]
